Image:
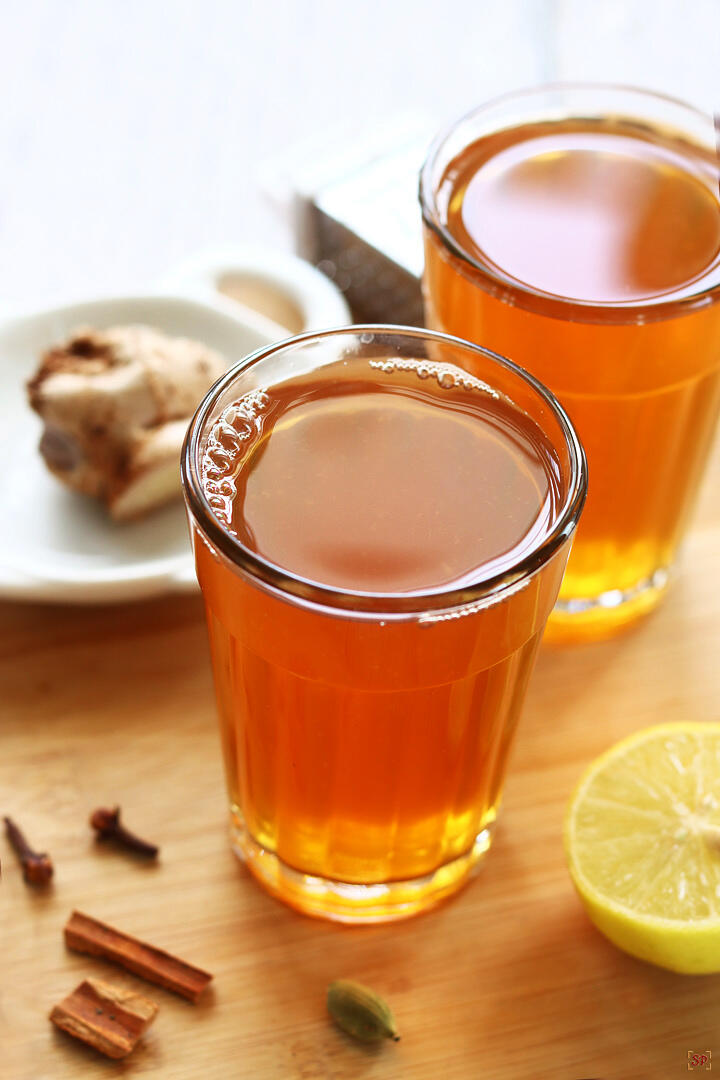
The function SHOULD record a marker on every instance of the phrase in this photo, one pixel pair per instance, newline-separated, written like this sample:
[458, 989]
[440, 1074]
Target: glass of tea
[379, 535]
[576, 229]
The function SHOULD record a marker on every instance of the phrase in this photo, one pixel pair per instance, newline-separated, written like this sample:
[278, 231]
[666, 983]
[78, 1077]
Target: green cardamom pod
[360, 1012]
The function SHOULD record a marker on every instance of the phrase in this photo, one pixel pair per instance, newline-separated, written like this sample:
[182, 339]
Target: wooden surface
[508, 980]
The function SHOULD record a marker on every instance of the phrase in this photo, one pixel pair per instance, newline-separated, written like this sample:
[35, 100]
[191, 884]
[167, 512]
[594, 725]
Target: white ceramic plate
[59, 546]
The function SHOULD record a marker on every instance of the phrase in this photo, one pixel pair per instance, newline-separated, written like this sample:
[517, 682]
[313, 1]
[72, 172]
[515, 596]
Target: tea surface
[410, 485]
[595, 214]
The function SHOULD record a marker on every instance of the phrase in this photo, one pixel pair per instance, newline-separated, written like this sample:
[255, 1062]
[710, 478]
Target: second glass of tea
[576, 229]
[379, 535]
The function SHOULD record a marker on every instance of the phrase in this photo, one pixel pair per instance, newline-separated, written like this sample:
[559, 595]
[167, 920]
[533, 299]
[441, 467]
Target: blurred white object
[60, 546]
[278, 293]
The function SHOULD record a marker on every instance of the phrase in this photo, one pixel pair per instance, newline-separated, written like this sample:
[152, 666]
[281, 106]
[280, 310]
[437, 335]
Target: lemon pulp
[642, 837]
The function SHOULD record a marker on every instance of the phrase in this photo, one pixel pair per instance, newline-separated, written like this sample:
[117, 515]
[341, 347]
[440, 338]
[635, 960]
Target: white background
[131, 131]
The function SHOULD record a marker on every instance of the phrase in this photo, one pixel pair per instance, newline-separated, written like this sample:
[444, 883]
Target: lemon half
[642, 838]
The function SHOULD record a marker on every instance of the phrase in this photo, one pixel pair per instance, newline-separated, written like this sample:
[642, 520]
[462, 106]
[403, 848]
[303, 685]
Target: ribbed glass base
[603, 616]
[352, 903]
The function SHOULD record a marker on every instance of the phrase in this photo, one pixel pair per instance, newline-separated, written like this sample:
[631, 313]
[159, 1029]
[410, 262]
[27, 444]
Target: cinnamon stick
[87, 935]
[106, 1017]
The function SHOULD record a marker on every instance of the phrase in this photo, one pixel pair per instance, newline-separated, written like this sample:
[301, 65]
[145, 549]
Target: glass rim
[295, 587]
[554, 303]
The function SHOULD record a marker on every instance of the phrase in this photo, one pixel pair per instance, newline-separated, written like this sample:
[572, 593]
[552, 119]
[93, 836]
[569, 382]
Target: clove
[37, 868]
[108, 826]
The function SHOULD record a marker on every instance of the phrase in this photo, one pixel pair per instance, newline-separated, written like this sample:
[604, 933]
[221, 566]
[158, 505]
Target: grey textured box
[357, 218]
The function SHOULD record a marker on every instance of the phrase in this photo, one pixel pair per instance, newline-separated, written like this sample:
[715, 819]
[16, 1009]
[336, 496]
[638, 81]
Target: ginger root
[115, 406]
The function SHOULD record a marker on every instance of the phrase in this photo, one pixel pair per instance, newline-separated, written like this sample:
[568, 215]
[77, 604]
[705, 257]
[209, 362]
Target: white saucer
[59, 546]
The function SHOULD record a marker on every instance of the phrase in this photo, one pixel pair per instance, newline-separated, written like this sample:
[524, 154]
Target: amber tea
[369, 673]
[586, 247]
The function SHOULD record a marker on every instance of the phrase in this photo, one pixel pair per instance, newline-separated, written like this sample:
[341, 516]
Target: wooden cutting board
[508, 980]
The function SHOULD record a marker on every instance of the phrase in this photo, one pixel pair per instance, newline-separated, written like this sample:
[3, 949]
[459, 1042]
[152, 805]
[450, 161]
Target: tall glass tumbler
[379, 537]
[576, 229]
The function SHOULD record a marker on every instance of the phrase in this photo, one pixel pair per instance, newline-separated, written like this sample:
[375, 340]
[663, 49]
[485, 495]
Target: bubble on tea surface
[218, 455]
[447, 376]
[228, 437]
[231, 439]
